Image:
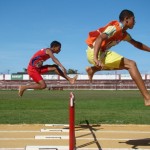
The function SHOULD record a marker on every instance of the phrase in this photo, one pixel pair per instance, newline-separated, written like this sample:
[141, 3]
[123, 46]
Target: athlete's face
[57, 49]
[131, 22]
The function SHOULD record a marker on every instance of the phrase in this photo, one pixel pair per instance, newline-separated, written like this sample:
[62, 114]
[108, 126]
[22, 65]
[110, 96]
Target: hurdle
[72, 122]
[71, 130]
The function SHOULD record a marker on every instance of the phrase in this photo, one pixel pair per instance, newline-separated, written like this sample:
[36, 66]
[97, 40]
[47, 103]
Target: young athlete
[99, 54]
[36, 67]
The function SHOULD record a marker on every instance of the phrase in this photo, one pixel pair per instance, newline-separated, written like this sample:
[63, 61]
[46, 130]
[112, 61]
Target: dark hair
[125, 13]
[55, 44]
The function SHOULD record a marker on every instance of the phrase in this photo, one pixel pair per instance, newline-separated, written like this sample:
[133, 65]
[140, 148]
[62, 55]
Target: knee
[55, 66]
[132, 64]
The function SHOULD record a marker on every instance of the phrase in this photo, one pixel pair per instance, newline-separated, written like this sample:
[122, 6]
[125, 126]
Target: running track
[88, 137]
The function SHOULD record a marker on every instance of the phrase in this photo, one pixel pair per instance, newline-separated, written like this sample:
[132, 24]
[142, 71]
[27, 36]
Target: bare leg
[91, 70]
[60, 72]
[40, 85]
[136, 76]
[134, 72]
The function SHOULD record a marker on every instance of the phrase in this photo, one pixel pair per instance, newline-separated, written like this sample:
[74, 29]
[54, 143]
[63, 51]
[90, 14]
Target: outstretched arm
[61, 69]
[139, 45]
[55, 60]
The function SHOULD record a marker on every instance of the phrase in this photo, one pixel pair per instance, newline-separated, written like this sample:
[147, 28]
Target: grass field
[98, 107]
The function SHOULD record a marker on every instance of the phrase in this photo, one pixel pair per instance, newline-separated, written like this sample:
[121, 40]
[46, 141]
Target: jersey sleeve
[110, 30]
[127, 37]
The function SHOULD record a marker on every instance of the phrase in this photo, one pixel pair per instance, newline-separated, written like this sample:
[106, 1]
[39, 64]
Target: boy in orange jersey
[98, 53]
[36, 67]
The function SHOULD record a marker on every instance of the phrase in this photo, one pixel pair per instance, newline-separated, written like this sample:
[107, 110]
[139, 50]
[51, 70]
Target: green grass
[98, 107]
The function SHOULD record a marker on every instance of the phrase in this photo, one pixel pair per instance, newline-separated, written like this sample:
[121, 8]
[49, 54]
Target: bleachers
[79, 85]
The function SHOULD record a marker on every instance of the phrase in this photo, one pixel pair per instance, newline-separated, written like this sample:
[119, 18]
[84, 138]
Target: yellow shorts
[110, 59]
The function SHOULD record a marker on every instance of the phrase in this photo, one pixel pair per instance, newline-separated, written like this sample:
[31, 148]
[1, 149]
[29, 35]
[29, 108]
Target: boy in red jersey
[36, 67]
[98, 53]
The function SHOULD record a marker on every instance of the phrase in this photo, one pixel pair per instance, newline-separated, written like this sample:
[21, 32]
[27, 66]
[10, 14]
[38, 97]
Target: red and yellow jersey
[38, 58]
[115, 34]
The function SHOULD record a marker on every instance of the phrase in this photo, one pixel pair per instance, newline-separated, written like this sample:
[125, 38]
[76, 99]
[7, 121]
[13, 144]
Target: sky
[29, 25]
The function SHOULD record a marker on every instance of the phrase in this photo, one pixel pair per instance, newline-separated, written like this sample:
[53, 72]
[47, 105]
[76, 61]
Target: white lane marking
[67, 130]
[67, 148]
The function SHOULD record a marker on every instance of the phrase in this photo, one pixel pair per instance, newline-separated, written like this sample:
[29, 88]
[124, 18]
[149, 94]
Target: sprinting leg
[62, 74]
[136, 76]
[134, 73]
[40, 85]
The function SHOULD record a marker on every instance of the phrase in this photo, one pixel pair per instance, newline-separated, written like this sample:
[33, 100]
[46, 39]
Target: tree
[25, 70]
[72, 71]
